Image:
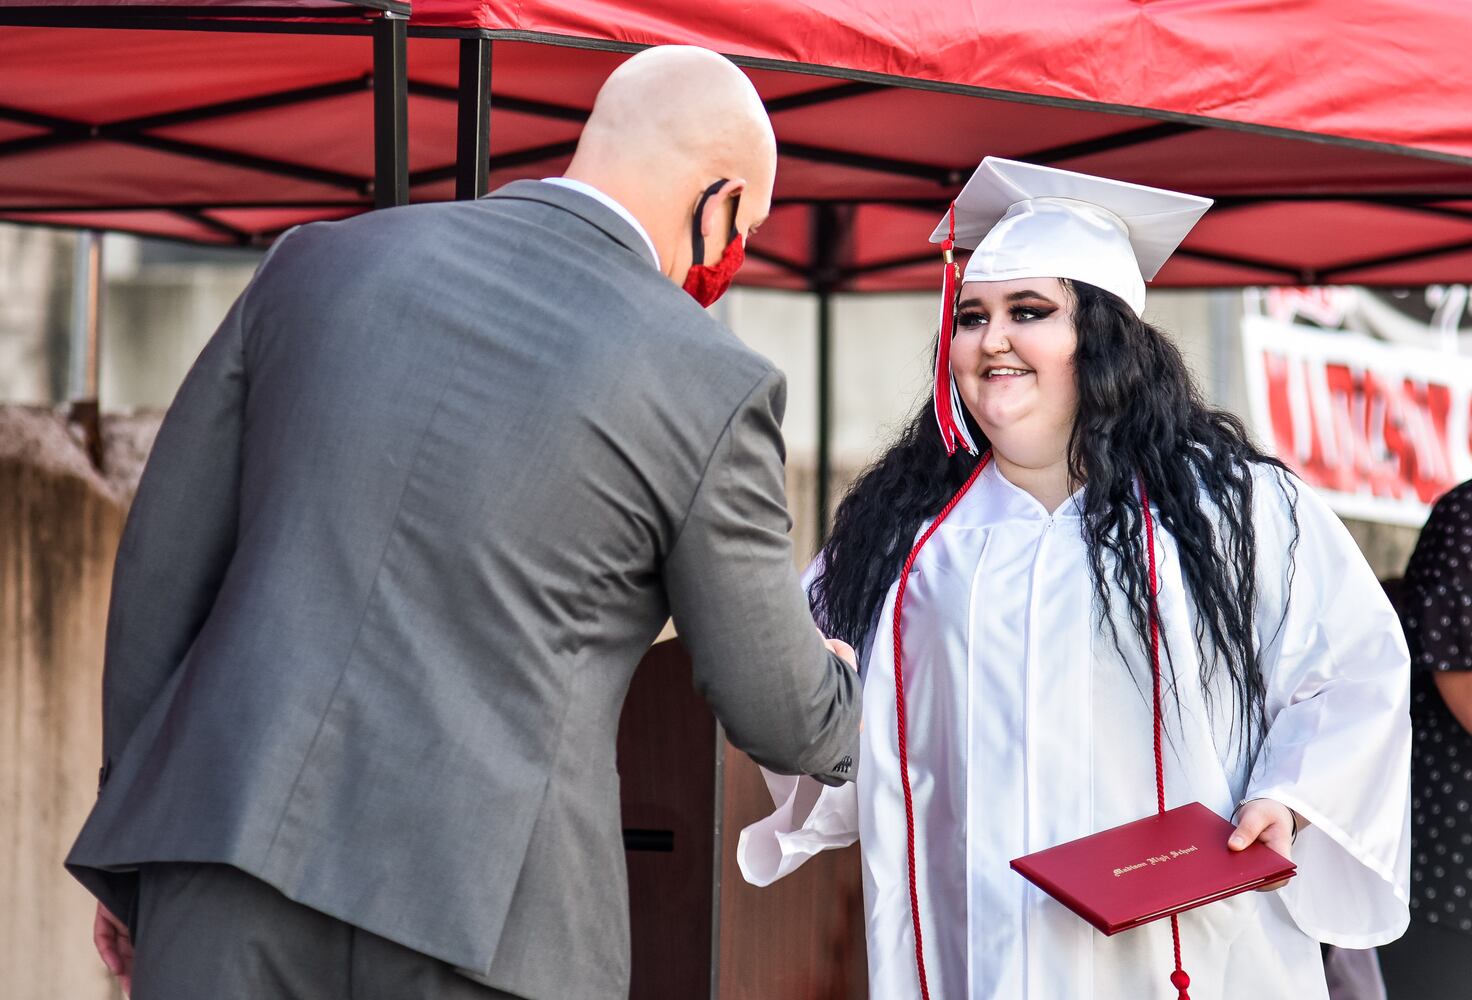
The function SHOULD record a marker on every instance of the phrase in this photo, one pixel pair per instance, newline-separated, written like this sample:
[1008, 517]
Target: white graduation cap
[1030, 221]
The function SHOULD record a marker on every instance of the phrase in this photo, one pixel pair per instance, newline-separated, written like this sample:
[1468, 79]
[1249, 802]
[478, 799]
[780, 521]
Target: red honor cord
[899, 712]
[1178, 978]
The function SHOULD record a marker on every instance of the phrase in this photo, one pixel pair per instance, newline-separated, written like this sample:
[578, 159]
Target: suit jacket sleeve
[740, 610]
[180, 533]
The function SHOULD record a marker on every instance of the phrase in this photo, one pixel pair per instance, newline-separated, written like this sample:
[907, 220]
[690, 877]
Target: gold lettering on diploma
[1158, 859]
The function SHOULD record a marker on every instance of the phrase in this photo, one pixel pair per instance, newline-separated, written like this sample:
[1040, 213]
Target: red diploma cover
[1151, 868]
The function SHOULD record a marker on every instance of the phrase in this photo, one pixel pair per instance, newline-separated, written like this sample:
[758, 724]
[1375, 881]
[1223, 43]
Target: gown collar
[994, 499]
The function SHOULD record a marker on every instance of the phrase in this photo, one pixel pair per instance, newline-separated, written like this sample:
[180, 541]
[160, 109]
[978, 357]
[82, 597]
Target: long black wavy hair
[1139, 415]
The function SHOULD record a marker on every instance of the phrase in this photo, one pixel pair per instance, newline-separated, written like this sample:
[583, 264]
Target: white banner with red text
[1380, 429]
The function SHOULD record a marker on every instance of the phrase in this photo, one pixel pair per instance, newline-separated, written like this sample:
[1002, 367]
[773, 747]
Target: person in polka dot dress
[1434, 959]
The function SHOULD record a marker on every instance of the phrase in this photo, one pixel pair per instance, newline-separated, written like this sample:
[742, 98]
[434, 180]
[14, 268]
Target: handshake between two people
[844, 650]
[845, 653]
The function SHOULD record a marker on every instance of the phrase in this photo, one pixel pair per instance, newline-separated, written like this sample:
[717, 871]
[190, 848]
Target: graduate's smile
[1004, 373]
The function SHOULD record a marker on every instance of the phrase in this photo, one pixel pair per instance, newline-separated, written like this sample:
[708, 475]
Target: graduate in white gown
[1025, 640]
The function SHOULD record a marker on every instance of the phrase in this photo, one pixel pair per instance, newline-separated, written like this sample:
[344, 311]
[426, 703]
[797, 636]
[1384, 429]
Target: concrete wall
[157, 319]
[159, 305]
[60, 520]
[34, 312]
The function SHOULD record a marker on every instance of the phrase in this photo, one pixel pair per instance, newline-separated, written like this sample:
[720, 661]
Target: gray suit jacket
[415, 515]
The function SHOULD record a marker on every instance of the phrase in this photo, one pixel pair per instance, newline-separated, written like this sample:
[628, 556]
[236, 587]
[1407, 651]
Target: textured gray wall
[59, 526]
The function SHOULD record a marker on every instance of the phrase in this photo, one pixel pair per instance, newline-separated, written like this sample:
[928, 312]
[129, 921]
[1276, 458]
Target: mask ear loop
[697, 238]
[735, 211]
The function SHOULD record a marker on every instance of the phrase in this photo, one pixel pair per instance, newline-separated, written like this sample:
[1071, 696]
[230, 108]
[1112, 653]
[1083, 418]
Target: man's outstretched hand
[844, 650]
[115, 945]
[846, 654]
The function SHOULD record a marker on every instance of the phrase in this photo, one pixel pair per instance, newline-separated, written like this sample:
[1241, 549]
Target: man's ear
[717, 204]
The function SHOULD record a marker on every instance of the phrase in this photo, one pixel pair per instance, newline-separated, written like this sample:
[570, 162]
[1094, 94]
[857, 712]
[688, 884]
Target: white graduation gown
[1026, 729]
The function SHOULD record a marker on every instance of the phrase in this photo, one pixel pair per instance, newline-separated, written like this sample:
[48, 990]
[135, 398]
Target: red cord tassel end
[1181, 981]
[951, 424]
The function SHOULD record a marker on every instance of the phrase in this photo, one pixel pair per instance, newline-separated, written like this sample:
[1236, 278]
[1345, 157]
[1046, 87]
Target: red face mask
[705, 283]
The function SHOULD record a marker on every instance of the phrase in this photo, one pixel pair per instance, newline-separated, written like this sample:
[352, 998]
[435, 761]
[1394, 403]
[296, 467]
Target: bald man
[415, 515]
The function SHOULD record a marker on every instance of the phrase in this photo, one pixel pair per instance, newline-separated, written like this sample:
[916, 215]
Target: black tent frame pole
[473, 120]
[824, 280]
[825, 429]
[390, 111]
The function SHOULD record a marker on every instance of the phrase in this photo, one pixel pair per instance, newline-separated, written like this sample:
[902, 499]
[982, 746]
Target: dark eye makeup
[968, 318]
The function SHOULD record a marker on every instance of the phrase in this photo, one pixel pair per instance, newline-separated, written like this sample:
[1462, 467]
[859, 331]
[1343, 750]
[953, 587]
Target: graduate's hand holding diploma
[1270, 822]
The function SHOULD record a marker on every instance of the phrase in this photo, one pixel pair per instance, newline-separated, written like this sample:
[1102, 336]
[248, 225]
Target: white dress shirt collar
[597, 195]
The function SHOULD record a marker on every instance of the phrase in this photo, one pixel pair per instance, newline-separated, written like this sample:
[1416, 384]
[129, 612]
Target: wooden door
[699, 930]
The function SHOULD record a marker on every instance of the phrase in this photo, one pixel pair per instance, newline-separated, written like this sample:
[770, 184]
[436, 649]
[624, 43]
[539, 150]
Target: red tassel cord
[899, 712]
[952, 430]
[1178, 978]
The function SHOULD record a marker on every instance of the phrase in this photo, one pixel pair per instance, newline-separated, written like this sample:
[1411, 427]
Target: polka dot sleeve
[1438, 587]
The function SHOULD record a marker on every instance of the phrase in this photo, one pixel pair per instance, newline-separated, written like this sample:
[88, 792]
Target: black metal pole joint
[390, 111]
[824, 281]
[473, 121]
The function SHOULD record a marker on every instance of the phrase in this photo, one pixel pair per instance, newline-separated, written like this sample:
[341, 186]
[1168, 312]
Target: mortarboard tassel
[945, 413]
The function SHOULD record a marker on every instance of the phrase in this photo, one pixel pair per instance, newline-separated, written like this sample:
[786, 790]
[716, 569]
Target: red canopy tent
[1333, 135]
[94, 130]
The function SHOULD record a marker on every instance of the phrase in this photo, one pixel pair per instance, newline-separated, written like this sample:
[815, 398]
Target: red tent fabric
[1334, 136]
[1372, 70]
[278, 8]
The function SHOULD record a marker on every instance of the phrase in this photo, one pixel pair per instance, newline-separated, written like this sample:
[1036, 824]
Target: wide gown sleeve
[1338, 742]
[809, 817]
